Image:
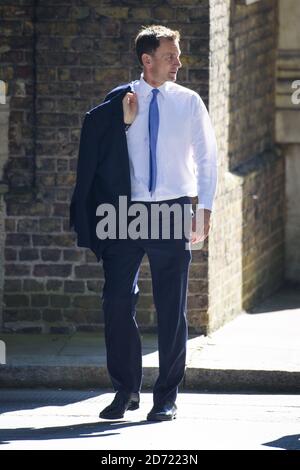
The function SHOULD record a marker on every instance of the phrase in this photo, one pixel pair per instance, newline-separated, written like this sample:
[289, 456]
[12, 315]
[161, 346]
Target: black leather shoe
[122, 402]
[165, 412]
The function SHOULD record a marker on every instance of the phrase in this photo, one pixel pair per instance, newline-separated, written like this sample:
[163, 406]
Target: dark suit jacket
[103, 167]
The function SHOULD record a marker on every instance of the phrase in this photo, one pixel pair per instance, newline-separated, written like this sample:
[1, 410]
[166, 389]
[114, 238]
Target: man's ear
[146, 59]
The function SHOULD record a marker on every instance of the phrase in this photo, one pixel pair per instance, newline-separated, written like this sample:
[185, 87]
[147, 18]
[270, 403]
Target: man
[172, 159]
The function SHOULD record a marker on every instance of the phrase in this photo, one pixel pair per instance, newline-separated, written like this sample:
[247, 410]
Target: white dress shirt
[186, 151]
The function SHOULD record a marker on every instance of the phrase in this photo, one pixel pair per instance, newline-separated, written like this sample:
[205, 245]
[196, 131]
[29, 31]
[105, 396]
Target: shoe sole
[111, 417]
[161, 418]
[131, 407]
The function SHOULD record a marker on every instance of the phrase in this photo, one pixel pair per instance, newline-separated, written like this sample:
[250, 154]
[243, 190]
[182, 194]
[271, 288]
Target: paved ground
[43, 419]
[258, 351]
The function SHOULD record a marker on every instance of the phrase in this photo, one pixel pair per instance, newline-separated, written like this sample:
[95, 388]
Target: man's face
[164, 63]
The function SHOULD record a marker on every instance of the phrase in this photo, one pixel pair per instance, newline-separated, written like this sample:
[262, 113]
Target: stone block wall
[60, 59]
[292, 228]
[288, 127]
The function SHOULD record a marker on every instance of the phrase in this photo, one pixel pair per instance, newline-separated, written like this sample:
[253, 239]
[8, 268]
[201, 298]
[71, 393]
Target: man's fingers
[131, 96]
[132, 100]
[194, 238]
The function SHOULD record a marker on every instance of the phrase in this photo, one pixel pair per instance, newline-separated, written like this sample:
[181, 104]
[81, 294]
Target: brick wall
[252, 153]
[60, 60]
[253, 40]
[17, 125]
[246, 245]
[17, 70]
[224, 239]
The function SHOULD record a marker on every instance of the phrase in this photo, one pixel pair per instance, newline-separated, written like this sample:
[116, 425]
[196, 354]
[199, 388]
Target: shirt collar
[145, 89]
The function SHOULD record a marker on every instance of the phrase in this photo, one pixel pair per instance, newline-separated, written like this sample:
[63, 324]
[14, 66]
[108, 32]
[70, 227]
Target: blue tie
[153, 132]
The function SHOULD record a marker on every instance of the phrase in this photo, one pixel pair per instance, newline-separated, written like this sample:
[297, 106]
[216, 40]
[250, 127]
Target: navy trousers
[169, 261]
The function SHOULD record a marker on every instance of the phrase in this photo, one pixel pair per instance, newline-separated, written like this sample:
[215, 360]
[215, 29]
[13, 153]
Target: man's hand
[130, 107]
[200, 225]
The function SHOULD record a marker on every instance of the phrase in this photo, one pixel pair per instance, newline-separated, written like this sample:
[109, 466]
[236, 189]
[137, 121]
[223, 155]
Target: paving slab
[53, 419]
[258, 350]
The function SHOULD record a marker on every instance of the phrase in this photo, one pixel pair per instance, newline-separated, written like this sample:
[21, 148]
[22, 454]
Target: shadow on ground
[291, 442]
[82, 431]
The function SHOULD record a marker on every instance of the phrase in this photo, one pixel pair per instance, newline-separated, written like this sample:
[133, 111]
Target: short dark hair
[148, 39]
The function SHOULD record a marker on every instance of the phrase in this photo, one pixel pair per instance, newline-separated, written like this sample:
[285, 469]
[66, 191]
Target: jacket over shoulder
[102, 168]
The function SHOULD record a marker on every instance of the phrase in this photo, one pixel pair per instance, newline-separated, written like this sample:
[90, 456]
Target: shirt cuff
[205, 202]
